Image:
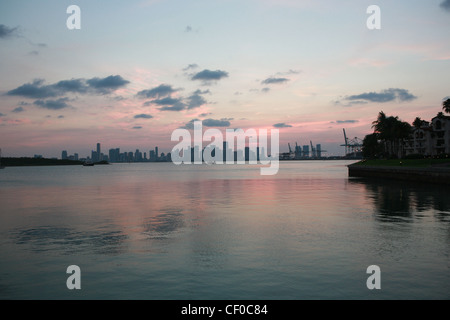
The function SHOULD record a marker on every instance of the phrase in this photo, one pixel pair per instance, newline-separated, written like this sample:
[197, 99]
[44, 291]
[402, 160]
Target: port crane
[352, 147]
[313, 150]
[316, 152]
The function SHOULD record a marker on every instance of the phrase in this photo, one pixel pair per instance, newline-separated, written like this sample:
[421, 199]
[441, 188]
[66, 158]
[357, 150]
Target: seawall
[432, 175]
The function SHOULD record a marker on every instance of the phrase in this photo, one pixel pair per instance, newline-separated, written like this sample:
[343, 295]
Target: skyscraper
[98, 152]
[152, 155]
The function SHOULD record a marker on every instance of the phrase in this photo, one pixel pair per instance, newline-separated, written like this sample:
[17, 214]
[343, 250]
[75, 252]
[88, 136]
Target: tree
[391, 131]
[371, 147]
[417, 123]
[380, 124]
[440, 115]
[446, 105]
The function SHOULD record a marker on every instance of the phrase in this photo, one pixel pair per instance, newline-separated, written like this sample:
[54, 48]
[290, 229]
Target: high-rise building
[319, 151]
[225, 148]
[156, 153]
[152, 155]
[305, 151]
[113, 155]
[64, 155]
[99, 152]
[94, 156]
[138, 156]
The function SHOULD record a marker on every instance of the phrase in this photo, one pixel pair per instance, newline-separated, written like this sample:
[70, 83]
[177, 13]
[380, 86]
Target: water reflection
[64, 240]
[164, 233]
[163, 224]
[399, 200]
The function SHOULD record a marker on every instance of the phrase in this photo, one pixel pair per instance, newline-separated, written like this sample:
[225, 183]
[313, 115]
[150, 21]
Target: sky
[137, 70]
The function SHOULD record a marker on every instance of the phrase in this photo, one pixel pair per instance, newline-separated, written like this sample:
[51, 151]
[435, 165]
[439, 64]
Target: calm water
[160, 231]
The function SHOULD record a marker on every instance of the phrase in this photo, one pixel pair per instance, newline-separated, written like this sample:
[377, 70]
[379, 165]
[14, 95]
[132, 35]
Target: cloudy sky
[139, 69]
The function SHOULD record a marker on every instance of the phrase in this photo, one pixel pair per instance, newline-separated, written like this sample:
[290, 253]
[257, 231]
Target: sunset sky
[139, 69]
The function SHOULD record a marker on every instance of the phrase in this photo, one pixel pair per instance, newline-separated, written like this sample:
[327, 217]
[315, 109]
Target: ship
[88, 163]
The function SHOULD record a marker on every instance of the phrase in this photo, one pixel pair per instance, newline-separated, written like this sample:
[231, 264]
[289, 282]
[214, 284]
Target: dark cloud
[346, 121]
[6, 32]
[272, 80]
[178, 107]
[282, 125]
[169, 103]
[190, 124]
[387, 95]
[195, 101]
[198, 91]
[350, 103]
[445, 5]
[207, 123]
[61, 117]
[18, 109]
[188, 29]
[73, 85]
[265, 89]
[209, 75]
[37, 89]
[216, 123]
[204, 114]
[160, 91]
[137, 127]
[53, 104]
[108, 84]
[143, 116]
[2, 114]
[191, 66]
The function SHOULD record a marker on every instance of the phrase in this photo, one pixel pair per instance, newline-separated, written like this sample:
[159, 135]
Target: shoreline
[439, 175]
[42, 162]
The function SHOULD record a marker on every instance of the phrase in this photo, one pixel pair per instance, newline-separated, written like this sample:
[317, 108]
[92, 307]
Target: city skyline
[115, 155]
[138, 70]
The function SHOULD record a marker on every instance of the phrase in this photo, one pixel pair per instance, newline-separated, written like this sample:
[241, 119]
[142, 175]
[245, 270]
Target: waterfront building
[430, 139]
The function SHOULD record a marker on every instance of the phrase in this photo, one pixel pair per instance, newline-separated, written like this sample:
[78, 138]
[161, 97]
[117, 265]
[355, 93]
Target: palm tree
[380, 125]
[417, 123]
[446, 105]
[440, 115]
[392, 131]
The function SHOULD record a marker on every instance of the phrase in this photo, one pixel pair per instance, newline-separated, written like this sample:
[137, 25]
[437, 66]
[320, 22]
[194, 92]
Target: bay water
[162, 231]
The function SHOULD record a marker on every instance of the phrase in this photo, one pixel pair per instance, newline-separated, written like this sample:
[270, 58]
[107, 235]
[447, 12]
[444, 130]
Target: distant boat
[1, 167]
[88, 164]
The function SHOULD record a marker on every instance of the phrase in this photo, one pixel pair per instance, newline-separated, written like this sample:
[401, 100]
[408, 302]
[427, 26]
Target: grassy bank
[418, 163]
